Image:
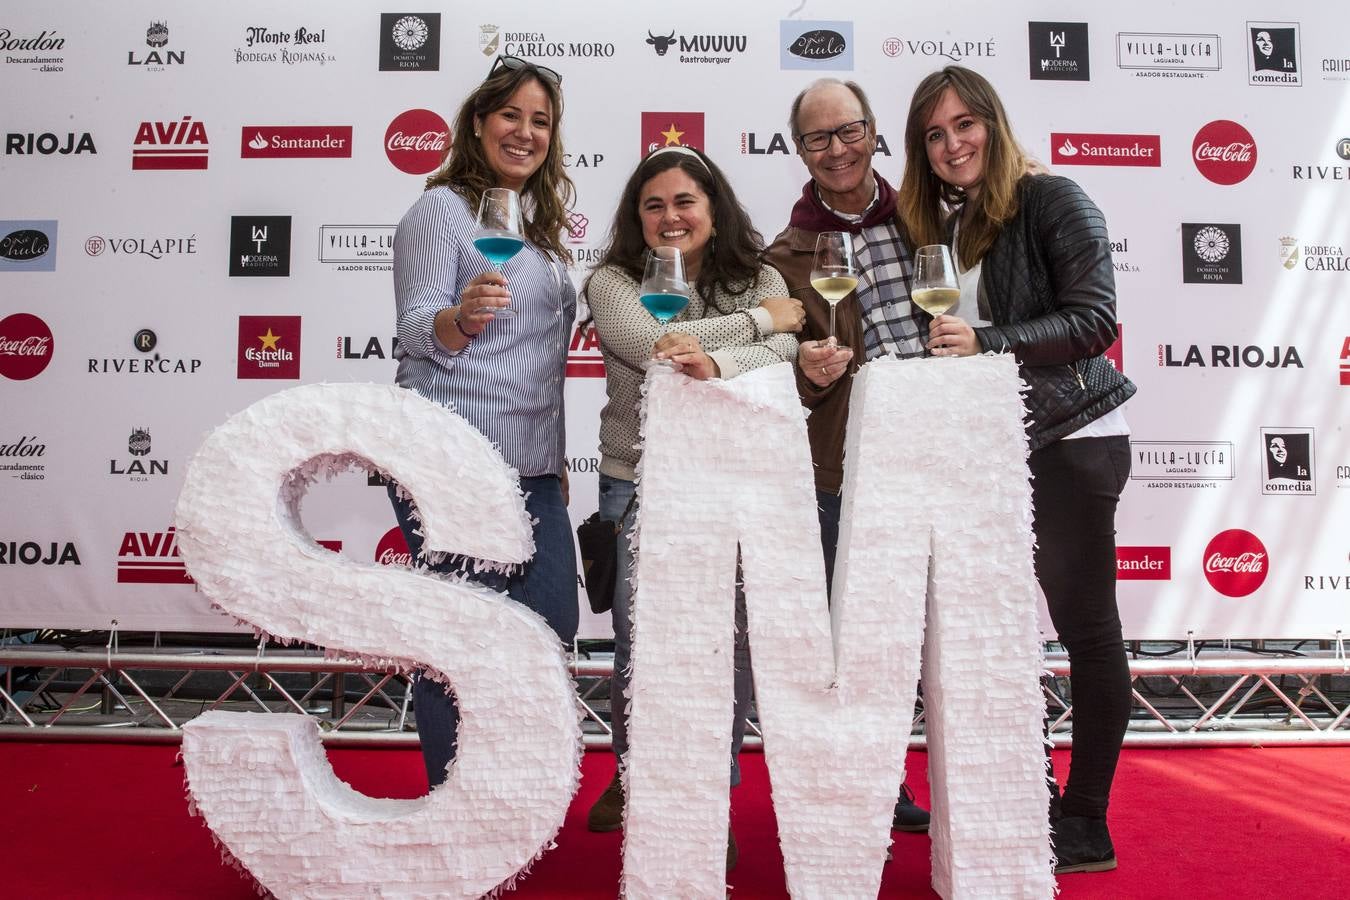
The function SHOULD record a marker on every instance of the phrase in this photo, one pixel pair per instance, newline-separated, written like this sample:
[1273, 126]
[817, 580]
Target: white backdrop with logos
[197, 212]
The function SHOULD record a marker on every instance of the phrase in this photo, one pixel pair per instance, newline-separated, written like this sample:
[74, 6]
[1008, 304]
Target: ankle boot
[607, 813]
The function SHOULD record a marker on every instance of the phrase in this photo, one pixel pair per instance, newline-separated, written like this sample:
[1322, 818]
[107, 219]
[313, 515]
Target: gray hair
[825, 82]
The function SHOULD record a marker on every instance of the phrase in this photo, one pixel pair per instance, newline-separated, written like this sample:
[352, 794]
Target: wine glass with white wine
[834, 271]
[936, 288]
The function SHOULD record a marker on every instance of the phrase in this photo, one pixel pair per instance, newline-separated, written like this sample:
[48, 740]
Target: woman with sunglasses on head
[503, 375]
[738, 318]
[1037, 281]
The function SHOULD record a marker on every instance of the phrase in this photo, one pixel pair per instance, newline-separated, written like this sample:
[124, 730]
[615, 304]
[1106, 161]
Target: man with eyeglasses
[835, 132]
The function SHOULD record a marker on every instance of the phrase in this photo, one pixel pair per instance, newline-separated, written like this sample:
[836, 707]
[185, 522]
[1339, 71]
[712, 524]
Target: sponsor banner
[699, 49]
[349, 347]
[27, 245]
[295, 142]
[1288, 466]
[1230, 356]
[1272, 54]
[156, 248]
[170, 145]
[1058, 51]
[21, 457]
[159, 56]
[49, 143]
[25, 346]
[269, 347]
[303, 45]
[824, 46]
[151, 558]
[392, 549]
[357, 244]
[957, 51]
[671, 129]
[1235, 562]
[38, 553]
[1143, 563]
[1167, 55]
[1211, 253]
[1079, 149]
[584, 359]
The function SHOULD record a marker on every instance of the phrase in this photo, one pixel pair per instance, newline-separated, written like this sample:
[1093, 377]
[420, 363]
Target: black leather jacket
[1049, 288]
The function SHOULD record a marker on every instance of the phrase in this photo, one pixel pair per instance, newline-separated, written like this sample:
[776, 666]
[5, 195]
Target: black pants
[1076, 485]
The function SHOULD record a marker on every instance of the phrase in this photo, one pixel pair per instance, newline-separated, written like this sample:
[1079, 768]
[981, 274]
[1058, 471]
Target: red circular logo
[392, 550]
[417, 141]
[25, 346]
[1224, 152]
[1236, 562]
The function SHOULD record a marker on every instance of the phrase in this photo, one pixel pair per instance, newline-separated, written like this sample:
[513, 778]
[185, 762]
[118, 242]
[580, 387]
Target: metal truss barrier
[144, 696]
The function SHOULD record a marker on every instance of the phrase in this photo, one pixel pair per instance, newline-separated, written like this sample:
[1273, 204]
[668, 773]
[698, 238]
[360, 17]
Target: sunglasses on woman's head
[515, 62]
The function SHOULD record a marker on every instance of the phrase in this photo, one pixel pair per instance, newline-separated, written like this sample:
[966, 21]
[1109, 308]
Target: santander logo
[25, 346]
[259, 142]
[392, 550]
[1236, 562]
[417, 141]
[1067, 148]
[1224, 152]
[1077, 149]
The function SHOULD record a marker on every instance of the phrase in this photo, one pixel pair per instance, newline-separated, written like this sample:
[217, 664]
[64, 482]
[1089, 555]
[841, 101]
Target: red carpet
[110, 821]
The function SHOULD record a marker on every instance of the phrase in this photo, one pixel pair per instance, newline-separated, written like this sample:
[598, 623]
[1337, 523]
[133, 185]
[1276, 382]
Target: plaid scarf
[892, 325]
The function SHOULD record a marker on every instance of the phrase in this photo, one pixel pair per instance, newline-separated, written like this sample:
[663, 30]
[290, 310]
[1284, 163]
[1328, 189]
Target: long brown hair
[467, 173]
[925, 199]
[730, 258]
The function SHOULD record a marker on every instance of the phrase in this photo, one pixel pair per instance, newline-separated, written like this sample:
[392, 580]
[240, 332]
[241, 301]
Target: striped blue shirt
[508, 383]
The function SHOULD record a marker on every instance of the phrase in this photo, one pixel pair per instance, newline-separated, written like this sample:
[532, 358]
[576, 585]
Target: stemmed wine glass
[665, 290]
[834, 271]
[936, 288]
[498, 236]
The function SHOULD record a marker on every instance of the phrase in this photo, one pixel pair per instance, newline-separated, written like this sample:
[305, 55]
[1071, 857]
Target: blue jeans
[547, 584]
[614, 496]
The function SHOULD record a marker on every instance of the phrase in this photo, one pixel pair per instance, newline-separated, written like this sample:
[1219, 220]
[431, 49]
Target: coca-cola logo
[1224, 152]
[417, 141]
[25, 346]
[1236, 562]
[392, 550]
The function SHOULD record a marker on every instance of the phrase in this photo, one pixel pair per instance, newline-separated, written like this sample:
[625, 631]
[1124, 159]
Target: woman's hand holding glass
[686, 354]
[823, 362]
[665, 290]
[483, 299]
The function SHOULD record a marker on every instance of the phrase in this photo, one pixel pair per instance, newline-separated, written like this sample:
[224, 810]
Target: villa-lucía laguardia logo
[822, 46]
[269, 347]
[1288, 464]
[357, 248]
[1169, 55]
[1058, 51]
[1273, 54]
[1082, 149]
[28, 245]
[671, 129]
[25, 346]
[1235, 562]
[410, 42]
[1181, 464]
[40, 51]
[1211, 253]
[160, 55]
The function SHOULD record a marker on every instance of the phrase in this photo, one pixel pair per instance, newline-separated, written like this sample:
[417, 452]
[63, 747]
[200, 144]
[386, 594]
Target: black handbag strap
[618, 526]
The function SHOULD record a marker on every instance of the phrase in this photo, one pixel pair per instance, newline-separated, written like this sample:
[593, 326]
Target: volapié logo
[49, 143]
[1211, 253]
[417, 141]
[138, 468]
[1058, 51]
[302, 46]
[25, 346]
[170, 145]
[260, 246]
[1287, 464]
[1181, 464]
[149, 362]
[160, 56]
[357, 248]
[296, 142]
[22, 459]
[1166, 55]
[151, 557]
[1080, 149]
[1224, 152]
[943, 48]
[1143, 563]
[41, 52]
[671, 129]
[1235, 562]
[815, 45]
[28, 245]
[1272, 53]
[703, 49]
[139, 247]
[410, 42]
[269, 347]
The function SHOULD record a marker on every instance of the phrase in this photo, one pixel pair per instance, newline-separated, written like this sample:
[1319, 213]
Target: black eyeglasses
[515, 62]
[848, 133]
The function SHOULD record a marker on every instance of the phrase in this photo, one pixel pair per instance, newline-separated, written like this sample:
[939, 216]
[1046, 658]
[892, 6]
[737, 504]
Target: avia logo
[584, 359]
[1106, 149]
[1224, 152]
[296, 142]
[1235, 562]
[151, 558]
[170, 145]
[1143, 563]
[25, 346]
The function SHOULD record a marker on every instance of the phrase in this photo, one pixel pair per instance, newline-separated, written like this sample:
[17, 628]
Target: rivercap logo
[1235, 562]
[25, 346]
[1224, 152]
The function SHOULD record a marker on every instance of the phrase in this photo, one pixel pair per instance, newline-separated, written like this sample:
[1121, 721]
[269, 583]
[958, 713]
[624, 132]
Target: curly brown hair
[467, 173]
[925, 199]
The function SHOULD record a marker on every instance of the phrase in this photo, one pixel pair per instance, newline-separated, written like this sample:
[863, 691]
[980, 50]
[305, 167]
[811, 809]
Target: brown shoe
[733, 853]
[607, 813]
